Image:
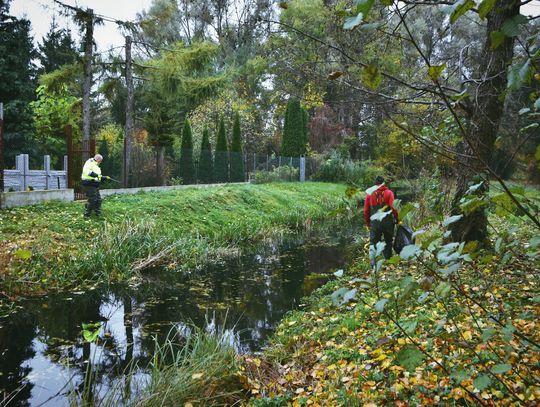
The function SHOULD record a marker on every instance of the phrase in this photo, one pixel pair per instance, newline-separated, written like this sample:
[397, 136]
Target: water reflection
[43, 354]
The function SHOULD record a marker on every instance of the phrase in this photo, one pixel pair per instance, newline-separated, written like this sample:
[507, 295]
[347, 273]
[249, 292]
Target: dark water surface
[43, 354]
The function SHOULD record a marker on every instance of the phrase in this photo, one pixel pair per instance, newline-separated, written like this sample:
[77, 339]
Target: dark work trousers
[94, 200]
[380, 229]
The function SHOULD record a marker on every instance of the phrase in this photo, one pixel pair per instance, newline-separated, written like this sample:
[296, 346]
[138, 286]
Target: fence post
[65, 168]
[279, 161]
[1, 147]
[26, 169]
[302, 169]
[69, 174]
[47, 169]
[267, 163]
[18, 168]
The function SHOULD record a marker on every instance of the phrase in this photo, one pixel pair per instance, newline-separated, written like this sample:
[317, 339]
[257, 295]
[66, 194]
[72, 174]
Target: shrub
[338, 169]
[279, 174]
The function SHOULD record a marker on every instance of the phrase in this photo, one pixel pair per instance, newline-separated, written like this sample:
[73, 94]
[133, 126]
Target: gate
[77, 156]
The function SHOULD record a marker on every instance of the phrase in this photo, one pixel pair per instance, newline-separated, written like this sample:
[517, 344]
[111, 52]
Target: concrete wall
[15, 199]
[22, 177]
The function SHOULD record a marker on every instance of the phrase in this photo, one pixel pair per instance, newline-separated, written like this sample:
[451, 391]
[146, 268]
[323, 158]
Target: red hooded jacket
[382, 196]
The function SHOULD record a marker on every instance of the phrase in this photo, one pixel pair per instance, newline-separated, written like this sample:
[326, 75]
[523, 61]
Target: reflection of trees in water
[16, 346]
[241, 300]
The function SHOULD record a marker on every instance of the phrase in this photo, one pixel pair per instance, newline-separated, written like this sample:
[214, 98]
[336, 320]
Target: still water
[43, 354]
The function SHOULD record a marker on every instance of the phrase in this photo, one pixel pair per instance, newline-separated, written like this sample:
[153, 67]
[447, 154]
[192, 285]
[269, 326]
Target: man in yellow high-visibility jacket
[91, 180]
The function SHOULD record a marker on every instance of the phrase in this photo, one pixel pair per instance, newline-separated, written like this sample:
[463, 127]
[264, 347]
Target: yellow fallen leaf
[467, 335]
[196, 375]
[188, 404]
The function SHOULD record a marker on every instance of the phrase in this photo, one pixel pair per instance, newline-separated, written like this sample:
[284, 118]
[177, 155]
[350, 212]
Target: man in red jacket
[379, 204]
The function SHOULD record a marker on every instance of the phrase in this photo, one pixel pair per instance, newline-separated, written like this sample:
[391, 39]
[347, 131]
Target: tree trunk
[87, 84]
[160, 165]
[129, 114]
[485, 119]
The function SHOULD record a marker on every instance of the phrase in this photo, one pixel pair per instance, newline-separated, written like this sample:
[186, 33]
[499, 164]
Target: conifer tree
[237, 157]
[57, 49]
[285, 138]
[294, 130]
[221, 157]
[205, 160]
[17, 84]
[187, 169]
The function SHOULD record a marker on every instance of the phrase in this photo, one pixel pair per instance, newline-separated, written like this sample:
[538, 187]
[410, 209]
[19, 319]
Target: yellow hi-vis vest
[91, 166]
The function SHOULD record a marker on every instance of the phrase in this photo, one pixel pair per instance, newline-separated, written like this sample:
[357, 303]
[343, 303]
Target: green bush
[279, 174]
[338, 169]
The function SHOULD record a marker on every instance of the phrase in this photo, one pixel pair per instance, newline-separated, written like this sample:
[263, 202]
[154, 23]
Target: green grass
[52, 246]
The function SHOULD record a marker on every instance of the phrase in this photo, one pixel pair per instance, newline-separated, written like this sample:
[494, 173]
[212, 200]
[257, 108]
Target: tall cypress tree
[285, 138]
[294, 130]
[187, 169]
[205, 160]
[221, 157]
[237, 157]
[17, 84]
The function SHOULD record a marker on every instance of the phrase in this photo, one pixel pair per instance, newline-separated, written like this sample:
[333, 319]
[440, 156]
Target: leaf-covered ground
[408, 339]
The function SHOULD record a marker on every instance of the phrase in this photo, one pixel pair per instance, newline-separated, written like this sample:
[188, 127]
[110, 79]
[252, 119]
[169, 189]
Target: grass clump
[202, 370]
[189, 366]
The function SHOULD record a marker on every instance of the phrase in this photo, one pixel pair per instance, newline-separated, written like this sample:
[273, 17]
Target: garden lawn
[51, 246]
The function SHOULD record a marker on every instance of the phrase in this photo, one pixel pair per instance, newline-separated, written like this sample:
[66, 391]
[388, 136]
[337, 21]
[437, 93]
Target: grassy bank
[414, 334]
[52, 246]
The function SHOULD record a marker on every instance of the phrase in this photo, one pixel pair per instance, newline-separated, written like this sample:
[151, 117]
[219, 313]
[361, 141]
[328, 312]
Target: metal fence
[152, 167]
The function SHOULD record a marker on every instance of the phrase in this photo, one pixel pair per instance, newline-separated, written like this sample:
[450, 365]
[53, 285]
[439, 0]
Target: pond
[43, 353]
